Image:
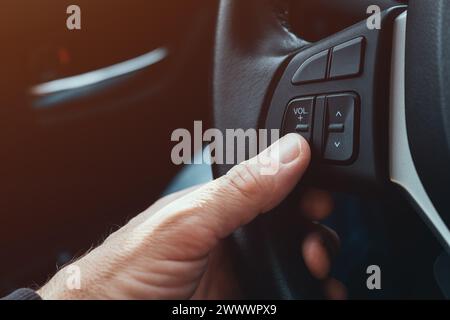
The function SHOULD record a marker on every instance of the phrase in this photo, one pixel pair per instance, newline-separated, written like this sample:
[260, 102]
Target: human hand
[173, 249]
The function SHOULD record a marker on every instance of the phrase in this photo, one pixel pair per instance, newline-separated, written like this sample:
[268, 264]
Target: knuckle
[246, 180]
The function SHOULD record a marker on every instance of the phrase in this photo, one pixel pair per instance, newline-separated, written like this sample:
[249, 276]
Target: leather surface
[252, 41]
[428, 97]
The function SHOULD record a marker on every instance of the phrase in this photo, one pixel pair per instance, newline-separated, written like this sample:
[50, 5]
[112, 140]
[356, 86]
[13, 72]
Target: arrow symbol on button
[337, 144]
[338, 114]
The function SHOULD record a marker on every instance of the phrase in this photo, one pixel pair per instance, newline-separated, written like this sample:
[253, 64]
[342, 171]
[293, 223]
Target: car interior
[87, 118]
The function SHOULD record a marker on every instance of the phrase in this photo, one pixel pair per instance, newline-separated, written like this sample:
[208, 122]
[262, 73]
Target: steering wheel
[372, 102]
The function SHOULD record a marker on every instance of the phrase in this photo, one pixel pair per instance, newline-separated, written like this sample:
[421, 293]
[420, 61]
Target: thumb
[218, 208]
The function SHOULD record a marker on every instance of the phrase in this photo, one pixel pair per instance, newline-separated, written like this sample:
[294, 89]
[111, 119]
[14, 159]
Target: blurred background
[75, 164]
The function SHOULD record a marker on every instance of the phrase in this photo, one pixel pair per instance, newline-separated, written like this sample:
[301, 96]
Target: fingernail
[287, 149]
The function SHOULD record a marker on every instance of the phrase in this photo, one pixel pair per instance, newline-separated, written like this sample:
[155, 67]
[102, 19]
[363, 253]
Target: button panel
[348, 149]
[339, 136]
[335, 136]
[299, 117]
[343, 60]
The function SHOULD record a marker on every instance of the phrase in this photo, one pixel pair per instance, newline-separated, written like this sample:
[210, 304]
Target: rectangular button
[340, 121]
[313, 69]
[339, 108]
[299, 117]
[346, 59]
[338, 147]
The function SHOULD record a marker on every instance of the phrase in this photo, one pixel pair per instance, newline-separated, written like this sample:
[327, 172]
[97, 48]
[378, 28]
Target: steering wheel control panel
[328, 122]
[334, 94]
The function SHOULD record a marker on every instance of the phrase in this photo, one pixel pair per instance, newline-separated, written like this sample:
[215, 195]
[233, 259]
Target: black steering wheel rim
[427, 83]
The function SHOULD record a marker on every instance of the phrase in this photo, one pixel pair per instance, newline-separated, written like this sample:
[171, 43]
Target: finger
[215, 210]
[161, 203]
[334, 290]
[316, 204]
[318, 249]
